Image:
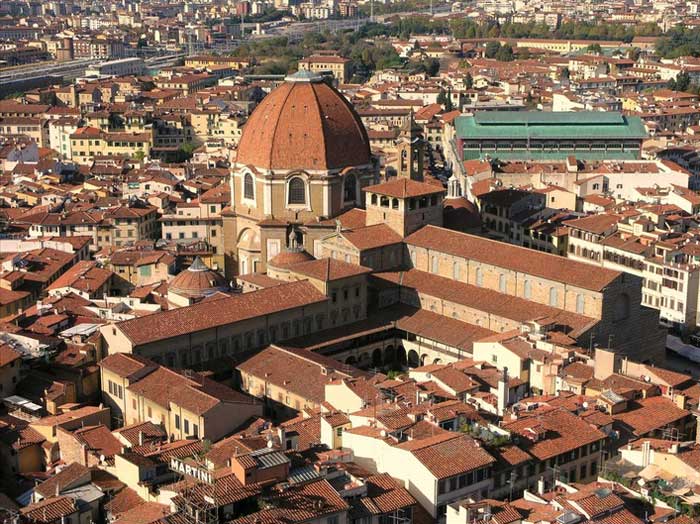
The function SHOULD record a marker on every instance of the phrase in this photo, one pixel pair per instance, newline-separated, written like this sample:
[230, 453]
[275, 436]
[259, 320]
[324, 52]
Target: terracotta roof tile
[404, 188]
[299, 371]
[487, 300]
[372, 237]
[126, 365]
[209, 314]
[386, 495]
[449, 454]
[8, 355]
[195, 393]
[329, 269]
[299, 503]
[98, 440]
[127, 499]
[84, 276]
[145, 513]
[524, 260]
[147, 430]
[304, 125]
[68, 477]
[50, 510]
[562, 432]
[646, 415]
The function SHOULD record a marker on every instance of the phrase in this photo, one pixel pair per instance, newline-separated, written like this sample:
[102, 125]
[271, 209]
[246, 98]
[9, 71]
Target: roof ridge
[323, 123]
[274, 131]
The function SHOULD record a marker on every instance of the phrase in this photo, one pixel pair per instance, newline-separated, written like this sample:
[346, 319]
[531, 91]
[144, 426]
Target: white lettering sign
[198, 473]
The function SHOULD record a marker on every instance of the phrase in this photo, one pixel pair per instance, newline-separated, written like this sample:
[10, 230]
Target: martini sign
[199, 473]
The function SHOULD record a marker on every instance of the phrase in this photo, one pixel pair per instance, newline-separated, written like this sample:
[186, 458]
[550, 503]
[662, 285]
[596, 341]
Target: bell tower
[411, 148]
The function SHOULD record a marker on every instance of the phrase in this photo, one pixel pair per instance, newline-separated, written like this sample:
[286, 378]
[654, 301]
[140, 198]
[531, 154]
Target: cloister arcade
[397, 353]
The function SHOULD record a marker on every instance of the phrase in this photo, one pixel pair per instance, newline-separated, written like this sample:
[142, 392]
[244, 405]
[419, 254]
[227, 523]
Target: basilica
[303, 160]
[320, 236]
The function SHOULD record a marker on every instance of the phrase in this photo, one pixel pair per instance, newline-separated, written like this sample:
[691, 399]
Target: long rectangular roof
[516, 258]
[549, 118]
[550, 125]
[220, 312]
[517, 309]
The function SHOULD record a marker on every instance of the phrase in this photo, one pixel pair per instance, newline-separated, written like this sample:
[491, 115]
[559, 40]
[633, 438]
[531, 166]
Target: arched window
[579, 304]
[553, 297]
[248, 187]
[296, 191]
[373, 199]
[527, 289]
[350, 188]
[502, 283]
[479, 277]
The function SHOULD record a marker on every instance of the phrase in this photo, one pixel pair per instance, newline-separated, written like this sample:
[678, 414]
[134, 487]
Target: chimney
[502, 402]
[540, 486]
[646, 453]
[282, 434]
[141, 438]
[680, 401]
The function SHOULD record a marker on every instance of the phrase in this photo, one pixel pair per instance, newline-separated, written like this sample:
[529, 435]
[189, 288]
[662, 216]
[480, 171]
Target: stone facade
[622, 323]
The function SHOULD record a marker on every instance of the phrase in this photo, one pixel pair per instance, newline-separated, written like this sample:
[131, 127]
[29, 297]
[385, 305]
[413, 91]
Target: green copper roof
[554, 126]
[548, 118]
[473, 154]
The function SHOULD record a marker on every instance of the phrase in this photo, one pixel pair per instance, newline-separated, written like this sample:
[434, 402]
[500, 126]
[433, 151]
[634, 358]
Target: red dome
[197, 281]
[304, 124]
[288, 258]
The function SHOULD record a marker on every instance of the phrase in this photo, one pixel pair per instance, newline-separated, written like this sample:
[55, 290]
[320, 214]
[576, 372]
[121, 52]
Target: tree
[595, 48]
[469, 80]
[445, 100]
[634, 53]
[185, 152]
[432, 66]
[276, 67]
[442, 97]
[505, 54]
[492, 48]
[682, 82]
[449, 106]
[679, 42]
